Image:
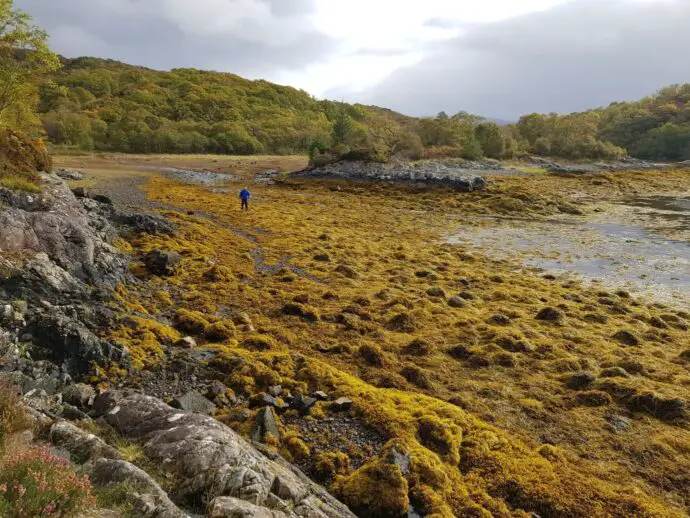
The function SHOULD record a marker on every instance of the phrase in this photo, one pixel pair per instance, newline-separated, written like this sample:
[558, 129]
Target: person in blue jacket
[245, 196]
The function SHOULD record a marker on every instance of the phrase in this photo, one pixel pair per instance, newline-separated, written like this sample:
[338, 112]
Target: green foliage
[655, 127]
[106, 105]
[24, 57]
[574, 136]
[491, 140]
[342, 128]
[388, 138]
[21, 158]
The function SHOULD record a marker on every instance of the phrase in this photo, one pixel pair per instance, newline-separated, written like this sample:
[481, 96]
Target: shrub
[13, 417]
[33, 482]
[20, 161]
[437, 152]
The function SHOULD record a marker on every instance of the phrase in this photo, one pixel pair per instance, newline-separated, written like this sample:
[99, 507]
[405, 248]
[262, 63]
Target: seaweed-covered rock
[264, 425]
[160, 262]
[551, 315]
[664, 407]
[580, 380]
[626, 337]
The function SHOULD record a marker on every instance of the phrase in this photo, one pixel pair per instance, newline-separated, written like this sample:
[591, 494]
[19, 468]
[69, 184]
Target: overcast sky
[498, 58]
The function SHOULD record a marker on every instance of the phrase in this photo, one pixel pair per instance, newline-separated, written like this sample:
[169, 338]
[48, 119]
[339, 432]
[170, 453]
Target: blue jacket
[245, 195]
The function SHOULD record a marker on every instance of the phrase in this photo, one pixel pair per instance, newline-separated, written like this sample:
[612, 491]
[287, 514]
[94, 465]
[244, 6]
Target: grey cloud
[291, 7]
[141, 33]
[577, 56]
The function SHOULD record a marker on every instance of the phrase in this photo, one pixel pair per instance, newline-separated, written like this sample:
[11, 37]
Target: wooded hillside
[106, 105]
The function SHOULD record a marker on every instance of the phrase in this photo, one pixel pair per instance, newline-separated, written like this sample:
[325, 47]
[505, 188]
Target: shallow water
[674, 211]
[634, 253]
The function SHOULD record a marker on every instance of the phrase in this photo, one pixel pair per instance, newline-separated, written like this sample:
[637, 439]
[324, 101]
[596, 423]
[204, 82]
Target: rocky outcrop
[56, 224]
[625, 164]
[146, 496]
[211, 461]
[70, 174]
[58, 264]
[64, 339]
[458, 176]
[81, 445]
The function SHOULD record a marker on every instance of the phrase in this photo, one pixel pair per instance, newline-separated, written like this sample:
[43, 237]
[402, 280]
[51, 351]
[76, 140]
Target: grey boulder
[209, 460]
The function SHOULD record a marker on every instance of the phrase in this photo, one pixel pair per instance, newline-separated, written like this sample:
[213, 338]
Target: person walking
[245, 196]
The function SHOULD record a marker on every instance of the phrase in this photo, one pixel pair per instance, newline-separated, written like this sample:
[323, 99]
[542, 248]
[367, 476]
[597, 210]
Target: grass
[534, 170]
[473, 393]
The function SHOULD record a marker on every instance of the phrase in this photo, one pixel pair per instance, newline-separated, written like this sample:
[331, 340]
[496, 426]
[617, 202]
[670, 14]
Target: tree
[542, 146]
[386, 134]
[491, 139]
[342, 127]
[24, 58]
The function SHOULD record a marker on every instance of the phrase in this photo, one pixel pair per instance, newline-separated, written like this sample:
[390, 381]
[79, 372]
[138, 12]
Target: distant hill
[107, 105]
